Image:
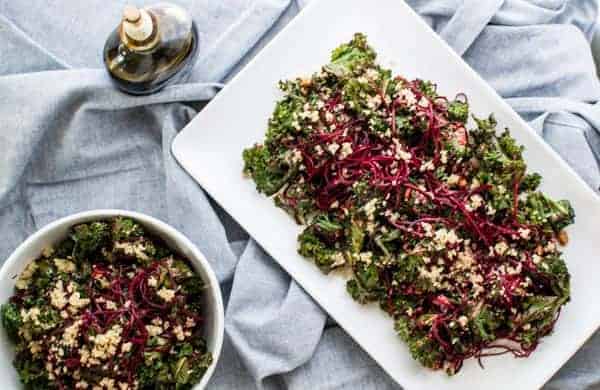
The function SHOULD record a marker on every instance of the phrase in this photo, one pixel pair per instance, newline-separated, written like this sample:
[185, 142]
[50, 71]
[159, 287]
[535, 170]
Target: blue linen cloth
[70, 142]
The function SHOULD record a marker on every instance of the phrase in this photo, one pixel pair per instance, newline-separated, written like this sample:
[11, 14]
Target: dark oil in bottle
[152, 47]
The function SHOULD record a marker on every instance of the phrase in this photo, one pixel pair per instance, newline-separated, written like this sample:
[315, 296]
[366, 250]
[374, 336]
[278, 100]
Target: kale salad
[109, 307]
[433, 210]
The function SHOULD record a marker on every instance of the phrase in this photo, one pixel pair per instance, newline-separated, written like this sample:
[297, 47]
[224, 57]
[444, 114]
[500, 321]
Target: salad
[109, 307]
[435, 213]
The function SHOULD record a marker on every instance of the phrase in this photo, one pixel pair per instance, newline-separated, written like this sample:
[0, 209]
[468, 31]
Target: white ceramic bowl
[54, 232]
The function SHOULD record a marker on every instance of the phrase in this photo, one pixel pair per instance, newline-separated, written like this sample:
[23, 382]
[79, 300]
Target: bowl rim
[163, 229]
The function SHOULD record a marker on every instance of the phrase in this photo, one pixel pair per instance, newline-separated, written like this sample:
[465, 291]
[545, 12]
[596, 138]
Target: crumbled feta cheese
[444, 236]
[463, 321]
[465, 259]
[154, 330]
[501, 248]
[424, 102]
[333, 148]
[366, 257]
[152, 281]
[166, 294]
[370, 207]
[189, 322]
[524, 233]
[550, 247]
[407, 96]
[444, 156]
[427, 228]
[126, 347]
[372, 74]
[427, 166]
[475, 202]
[346, 150]
[107, 383]
[178, 332]
[452, 179]
[110, 305]
[373, 101]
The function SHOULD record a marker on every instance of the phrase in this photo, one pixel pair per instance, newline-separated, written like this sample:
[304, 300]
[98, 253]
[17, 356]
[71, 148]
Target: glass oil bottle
[151, 48]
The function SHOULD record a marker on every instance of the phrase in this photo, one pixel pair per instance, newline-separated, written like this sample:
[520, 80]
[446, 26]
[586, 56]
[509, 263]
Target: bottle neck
[139, 30]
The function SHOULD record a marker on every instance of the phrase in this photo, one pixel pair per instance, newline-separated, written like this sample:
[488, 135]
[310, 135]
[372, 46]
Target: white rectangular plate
[210, 149]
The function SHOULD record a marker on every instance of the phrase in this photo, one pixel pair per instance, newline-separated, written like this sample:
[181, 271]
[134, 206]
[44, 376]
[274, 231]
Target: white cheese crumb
[370, 208]
[444, 156]
[107, 383]
[366, 257]
[407, 96]
[178, 332]
[126, 347]
[423, 102]
[110, 305]
[346, 150]
[500, 248]
[166, 294]
[154, 330]
[152, 282]
[333, 148]
[189, 322]
[453, 179]
[524, 233]
[475, 202]
[427, 166]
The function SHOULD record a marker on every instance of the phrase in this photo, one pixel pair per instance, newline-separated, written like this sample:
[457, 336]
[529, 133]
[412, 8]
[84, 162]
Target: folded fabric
[70, 142]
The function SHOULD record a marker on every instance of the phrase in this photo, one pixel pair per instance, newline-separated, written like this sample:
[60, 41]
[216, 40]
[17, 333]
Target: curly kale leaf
[486, 322]
[283, 121]
[458, 111]
[422, 347]
[530, 182]
[558, 274]
[32, 374]
[312, 246]
[428, 88]
[351, 57]
[89, 238]
[539, 209]
[264, 169]
[125, 229]
[11, 319]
